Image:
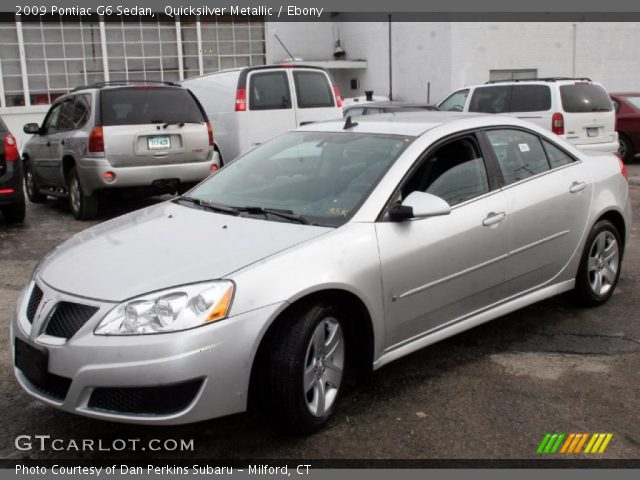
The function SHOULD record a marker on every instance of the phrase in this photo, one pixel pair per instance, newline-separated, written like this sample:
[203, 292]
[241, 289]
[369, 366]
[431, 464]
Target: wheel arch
[68, 162]
[359, 332]
[615, 217]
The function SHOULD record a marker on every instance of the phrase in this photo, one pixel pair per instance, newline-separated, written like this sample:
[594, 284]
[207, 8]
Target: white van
[247, 106]
[577, 109]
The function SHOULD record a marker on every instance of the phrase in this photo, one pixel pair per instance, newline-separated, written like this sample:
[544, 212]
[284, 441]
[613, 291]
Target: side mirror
[31, 128]
[419, 205]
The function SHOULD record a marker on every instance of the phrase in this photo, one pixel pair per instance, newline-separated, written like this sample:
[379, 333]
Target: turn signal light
[241, 100]
[96, 140]
[210, 131]
[11, 153]
[336, 92]
[557, 124]
[623, 167]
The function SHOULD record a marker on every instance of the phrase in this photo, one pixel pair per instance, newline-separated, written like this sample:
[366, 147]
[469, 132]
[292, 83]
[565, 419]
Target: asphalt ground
[491, 392]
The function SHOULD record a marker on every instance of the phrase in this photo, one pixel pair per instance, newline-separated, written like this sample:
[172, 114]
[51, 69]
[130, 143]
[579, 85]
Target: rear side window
[144, 105]
[313, 90]
[81, 110]
[635, 101]
[269, 91]
[520, 154]
[3, 127]
[585, 97]
[354, 112]
[530, 98]
[493, 99]
[557, 158]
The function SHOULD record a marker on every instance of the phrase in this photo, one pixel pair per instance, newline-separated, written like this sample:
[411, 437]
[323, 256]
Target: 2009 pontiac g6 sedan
[335, 247]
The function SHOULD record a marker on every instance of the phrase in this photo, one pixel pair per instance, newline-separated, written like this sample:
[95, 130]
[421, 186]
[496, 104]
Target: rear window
[585, 97]
[3, 127]
[143, 105]
[313, 90]
[269, 91]
[635, 101]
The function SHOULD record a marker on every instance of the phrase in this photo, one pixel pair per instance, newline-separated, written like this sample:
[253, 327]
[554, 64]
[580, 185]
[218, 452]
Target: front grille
[53, 385]
[34, 302]
[162, 400]
[68, 318]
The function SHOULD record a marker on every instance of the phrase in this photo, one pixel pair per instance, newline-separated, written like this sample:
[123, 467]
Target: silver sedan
[329, 250]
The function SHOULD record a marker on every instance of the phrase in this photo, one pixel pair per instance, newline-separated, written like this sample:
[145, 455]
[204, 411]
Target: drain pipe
[390, 62]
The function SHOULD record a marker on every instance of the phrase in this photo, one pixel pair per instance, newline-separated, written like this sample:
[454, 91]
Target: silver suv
[149, 137]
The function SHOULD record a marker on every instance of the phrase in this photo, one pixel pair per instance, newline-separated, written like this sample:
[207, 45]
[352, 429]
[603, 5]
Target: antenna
[284, 46]
[349, 123]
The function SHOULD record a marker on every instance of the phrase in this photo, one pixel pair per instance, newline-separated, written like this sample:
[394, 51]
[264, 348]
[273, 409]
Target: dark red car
[627, 107]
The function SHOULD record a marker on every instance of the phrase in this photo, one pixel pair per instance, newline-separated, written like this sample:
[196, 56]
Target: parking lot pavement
[492, 392]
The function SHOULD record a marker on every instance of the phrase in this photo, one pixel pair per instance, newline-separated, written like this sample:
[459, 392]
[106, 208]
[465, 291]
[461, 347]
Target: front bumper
[91, 170]
[219, 355]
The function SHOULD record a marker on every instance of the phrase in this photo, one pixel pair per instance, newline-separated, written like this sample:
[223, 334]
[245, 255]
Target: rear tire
[305, 369]
[14, 213]
[626, 149]
[600, 265]
[83, 207]
[30, 185]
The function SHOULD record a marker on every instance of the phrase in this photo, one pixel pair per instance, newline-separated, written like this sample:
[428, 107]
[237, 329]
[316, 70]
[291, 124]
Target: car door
[43, 163]
[548, 195]
[270, 106]
[56, 141]
[314, 97]
[438, 270]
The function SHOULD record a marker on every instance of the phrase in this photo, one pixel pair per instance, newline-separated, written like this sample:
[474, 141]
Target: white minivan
[577, 109]
[252, 104]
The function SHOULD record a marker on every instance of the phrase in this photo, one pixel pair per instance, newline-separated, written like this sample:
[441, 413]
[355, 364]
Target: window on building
[10, 69]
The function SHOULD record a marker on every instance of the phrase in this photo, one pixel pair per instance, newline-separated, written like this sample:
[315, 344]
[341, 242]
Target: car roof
[411, 123]
[625, 94]
[386, 103]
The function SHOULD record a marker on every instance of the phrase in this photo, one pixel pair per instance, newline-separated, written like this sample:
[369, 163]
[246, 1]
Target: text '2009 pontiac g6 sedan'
[332, 248]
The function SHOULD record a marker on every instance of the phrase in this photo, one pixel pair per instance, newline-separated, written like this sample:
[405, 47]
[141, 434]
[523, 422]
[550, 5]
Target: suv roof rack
[543, 79]
[124, 82]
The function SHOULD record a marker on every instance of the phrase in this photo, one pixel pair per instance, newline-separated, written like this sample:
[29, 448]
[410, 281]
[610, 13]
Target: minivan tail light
[96, 140]
[11, 153]
[336, 92]
[623, 167]
[557, 124]
[210, 131]
[241, 100]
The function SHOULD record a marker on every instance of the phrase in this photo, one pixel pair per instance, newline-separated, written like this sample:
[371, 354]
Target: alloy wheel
[604, 261]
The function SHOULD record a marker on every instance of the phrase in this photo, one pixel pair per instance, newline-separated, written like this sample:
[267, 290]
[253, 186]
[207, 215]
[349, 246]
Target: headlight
[179, 308]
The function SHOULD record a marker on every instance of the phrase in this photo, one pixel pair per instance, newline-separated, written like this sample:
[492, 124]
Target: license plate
[32, 361]
[159, 142]
[592, 131]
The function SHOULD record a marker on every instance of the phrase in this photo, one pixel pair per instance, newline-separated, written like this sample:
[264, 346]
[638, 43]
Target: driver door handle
[493, 218]
[577, 187]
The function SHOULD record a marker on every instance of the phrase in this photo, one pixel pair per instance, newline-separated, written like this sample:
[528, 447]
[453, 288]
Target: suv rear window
[313, 90]
[269, 91]
[143, 105]
[511, 98]
[585, 97]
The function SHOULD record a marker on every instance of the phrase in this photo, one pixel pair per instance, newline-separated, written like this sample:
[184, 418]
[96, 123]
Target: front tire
[306, 368]
[83, 207]
[600, 265]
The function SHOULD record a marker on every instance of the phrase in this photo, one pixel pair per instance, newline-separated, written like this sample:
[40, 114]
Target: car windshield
[312, 177]
[635, 101]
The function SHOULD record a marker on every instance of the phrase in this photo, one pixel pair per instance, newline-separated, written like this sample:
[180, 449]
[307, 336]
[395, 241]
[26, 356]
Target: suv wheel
[626, 149]
[30, 186]
[14, 213]
[305, 369]
[83, 207]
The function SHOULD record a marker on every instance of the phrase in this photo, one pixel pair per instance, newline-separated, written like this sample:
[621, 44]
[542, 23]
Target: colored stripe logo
[573, 443]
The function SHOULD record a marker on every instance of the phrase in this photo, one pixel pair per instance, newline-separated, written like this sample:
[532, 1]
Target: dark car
[627, 107]
[373, 108]
[11, 193]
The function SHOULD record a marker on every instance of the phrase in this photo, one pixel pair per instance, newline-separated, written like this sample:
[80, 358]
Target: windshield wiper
[276, 212]
[180, 124]
[214, 207]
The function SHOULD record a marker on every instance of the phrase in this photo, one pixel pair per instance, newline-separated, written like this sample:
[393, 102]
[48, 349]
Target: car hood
[164, 246]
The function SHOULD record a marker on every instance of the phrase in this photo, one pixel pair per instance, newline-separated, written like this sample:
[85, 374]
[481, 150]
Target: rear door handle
[577, 187]
[493, 218]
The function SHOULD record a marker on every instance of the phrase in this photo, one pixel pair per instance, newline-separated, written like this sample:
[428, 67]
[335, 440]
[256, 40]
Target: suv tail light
[557, 124]
[336, 92]
[241, 100]
[623, 167]
[96, 140]
[210, 131]
[11, 153]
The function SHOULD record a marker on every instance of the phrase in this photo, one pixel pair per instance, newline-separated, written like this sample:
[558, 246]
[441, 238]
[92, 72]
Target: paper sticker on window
[523, 147]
